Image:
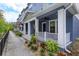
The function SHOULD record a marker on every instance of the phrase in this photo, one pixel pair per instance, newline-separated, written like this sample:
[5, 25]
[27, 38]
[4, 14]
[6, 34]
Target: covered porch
[49, 26]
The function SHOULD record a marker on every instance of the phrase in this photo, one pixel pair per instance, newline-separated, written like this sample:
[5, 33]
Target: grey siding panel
[69, 24]
[75, 27]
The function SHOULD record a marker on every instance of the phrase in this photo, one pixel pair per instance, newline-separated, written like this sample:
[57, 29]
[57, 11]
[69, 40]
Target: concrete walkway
[14, 46]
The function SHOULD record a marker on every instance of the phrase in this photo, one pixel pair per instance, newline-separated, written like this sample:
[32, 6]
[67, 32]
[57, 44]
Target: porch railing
[40, 36]
[67, 38]
[43, 36]
[53, 36]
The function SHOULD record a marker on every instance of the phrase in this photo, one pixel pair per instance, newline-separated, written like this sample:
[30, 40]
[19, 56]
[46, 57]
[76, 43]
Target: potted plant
[33, 39]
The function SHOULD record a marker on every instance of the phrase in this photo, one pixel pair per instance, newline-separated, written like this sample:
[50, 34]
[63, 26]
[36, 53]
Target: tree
[2, 22]
[4, 26]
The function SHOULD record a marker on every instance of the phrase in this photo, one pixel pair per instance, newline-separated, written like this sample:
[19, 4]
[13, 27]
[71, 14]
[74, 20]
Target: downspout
[65, 40]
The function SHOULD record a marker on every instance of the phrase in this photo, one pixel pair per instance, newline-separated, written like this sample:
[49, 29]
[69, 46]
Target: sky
[12, 8]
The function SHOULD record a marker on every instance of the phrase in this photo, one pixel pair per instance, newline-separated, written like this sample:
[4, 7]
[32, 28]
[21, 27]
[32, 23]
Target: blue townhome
[50, 21]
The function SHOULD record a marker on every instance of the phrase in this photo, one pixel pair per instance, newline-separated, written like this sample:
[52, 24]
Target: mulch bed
[37, 52]
[74, 48]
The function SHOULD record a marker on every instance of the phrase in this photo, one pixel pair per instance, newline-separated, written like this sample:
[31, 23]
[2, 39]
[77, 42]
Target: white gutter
[65, 40]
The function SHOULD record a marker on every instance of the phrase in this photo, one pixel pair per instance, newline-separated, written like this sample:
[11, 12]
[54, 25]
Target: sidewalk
[14, 46]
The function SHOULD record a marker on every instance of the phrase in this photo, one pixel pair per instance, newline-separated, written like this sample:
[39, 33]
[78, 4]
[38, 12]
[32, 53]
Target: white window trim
[42, 25]
[55, 20]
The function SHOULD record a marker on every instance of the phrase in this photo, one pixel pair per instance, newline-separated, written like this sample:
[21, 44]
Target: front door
[44, 27]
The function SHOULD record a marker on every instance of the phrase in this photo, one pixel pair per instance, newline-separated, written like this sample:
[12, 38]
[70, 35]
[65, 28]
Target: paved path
[15, 46]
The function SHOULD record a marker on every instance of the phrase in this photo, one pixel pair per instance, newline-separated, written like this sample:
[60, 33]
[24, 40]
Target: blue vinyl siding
[75, 27]
[69, 24]
[46, 19]
[48, 16]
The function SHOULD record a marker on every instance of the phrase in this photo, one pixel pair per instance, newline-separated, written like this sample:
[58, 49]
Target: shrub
[52, 46]
[26, 41]
[29, 44]
[18, 33]
[34, 47]
[33, 39]
[43, 44]
[50, 53]
[42, 51]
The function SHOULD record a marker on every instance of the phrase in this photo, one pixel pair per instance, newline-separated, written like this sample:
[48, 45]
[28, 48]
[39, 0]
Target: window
[26, 28]
[52, 26]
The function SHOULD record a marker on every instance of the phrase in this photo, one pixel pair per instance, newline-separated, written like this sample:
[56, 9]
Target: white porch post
[44, 36]
[36, 26]
[29, 33]
[62, 28]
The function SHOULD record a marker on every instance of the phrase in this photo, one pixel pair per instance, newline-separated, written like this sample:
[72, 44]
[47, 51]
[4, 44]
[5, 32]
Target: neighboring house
[51, 21]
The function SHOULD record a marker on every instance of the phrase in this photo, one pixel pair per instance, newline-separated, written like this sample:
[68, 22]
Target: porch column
[24, 28]
[36, 26]
[29, 34]
[62, 28]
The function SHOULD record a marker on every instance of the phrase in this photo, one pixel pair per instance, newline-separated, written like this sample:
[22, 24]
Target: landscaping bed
[74, 48]
[48, 48]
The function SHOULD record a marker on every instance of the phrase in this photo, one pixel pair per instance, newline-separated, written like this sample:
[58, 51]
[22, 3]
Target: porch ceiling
[73, 10]
[42, 13]
[52, 7]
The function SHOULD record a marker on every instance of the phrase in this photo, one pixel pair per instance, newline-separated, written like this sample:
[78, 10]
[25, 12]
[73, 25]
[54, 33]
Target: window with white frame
[52, 26]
